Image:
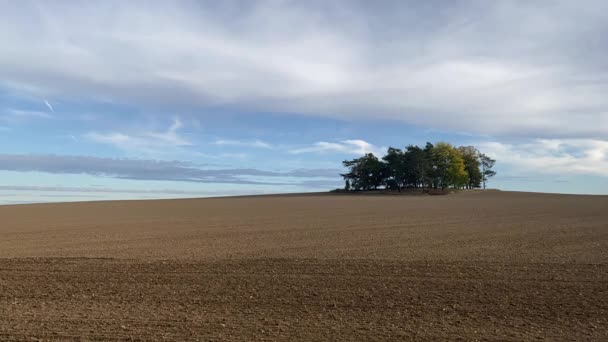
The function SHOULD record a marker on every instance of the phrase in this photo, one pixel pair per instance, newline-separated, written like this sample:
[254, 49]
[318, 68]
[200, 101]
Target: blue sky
[126, 100]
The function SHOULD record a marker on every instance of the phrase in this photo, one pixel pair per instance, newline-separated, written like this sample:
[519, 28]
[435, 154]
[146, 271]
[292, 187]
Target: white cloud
[358, 147]
[146, 141]
[170, 137]
[462, 66]
[552, 156]
[255, 143]
[18, 115]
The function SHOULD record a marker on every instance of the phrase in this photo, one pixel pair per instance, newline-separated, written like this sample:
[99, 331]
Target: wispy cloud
[147, 141]
[251, 144]
[355, 146]
[22, 116]
[171, 136]
[25, 114]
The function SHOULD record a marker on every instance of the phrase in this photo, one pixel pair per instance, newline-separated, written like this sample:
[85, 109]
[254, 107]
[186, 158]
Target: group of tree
[437, 166]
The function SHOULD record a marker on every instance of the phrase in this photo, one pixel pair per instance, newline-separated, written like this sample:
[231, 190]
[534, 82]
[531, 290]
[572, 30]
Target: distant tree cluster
[438, 166]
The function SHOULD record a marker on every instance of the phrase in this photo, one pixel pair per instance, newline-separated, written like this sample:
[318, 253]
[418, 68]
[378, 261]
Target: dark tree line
[438, 166]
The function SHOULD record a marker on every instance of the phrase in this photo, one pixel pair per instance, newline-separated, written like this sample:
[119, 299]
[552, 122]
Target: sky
[164, 99]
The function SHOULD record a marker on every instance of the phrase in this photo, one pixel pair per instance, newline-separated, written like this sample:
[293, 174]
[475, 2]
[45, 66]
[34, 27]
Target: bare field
[471, 266]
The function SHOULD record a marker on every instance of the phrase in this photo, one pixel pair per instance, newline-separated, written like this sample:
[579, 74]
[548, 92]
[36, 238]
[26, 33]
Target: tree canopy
[437, 166]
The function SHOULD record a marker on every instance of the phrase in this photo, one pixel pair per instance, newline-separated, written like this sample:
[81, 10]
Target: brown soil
[468, 266]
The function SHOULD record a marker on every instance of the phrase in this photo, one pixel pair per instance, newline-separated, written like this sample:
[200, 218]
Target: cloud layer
[553, 156]
[535, 69]
[140, 169]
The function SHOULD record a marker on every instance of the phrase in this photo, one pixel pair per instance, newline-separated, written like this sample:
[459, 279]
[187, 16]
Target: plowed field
[472, 266]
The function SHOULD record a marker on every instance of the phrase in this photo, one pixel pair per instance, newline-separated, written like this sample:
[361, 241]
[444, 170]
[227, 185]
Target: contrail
[49, 106]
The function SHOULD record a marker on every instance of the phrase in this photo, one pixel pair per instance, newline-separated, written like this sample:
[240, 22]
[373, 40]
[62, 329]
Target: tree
[417, 166]
[395, 168]
[365, 173]
[352, 177]
[376, 171]
[431, 176]
[441, 162]
[472, 165]
[435, 166]
[458, 176]
[449, 167]
[487, 164]
[347, 184]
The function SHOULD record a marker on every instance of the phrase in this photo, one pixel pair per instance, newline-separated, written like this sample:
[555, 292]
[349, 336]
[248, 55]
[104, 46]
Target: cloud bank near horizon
[161, 170]
[541, 156]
